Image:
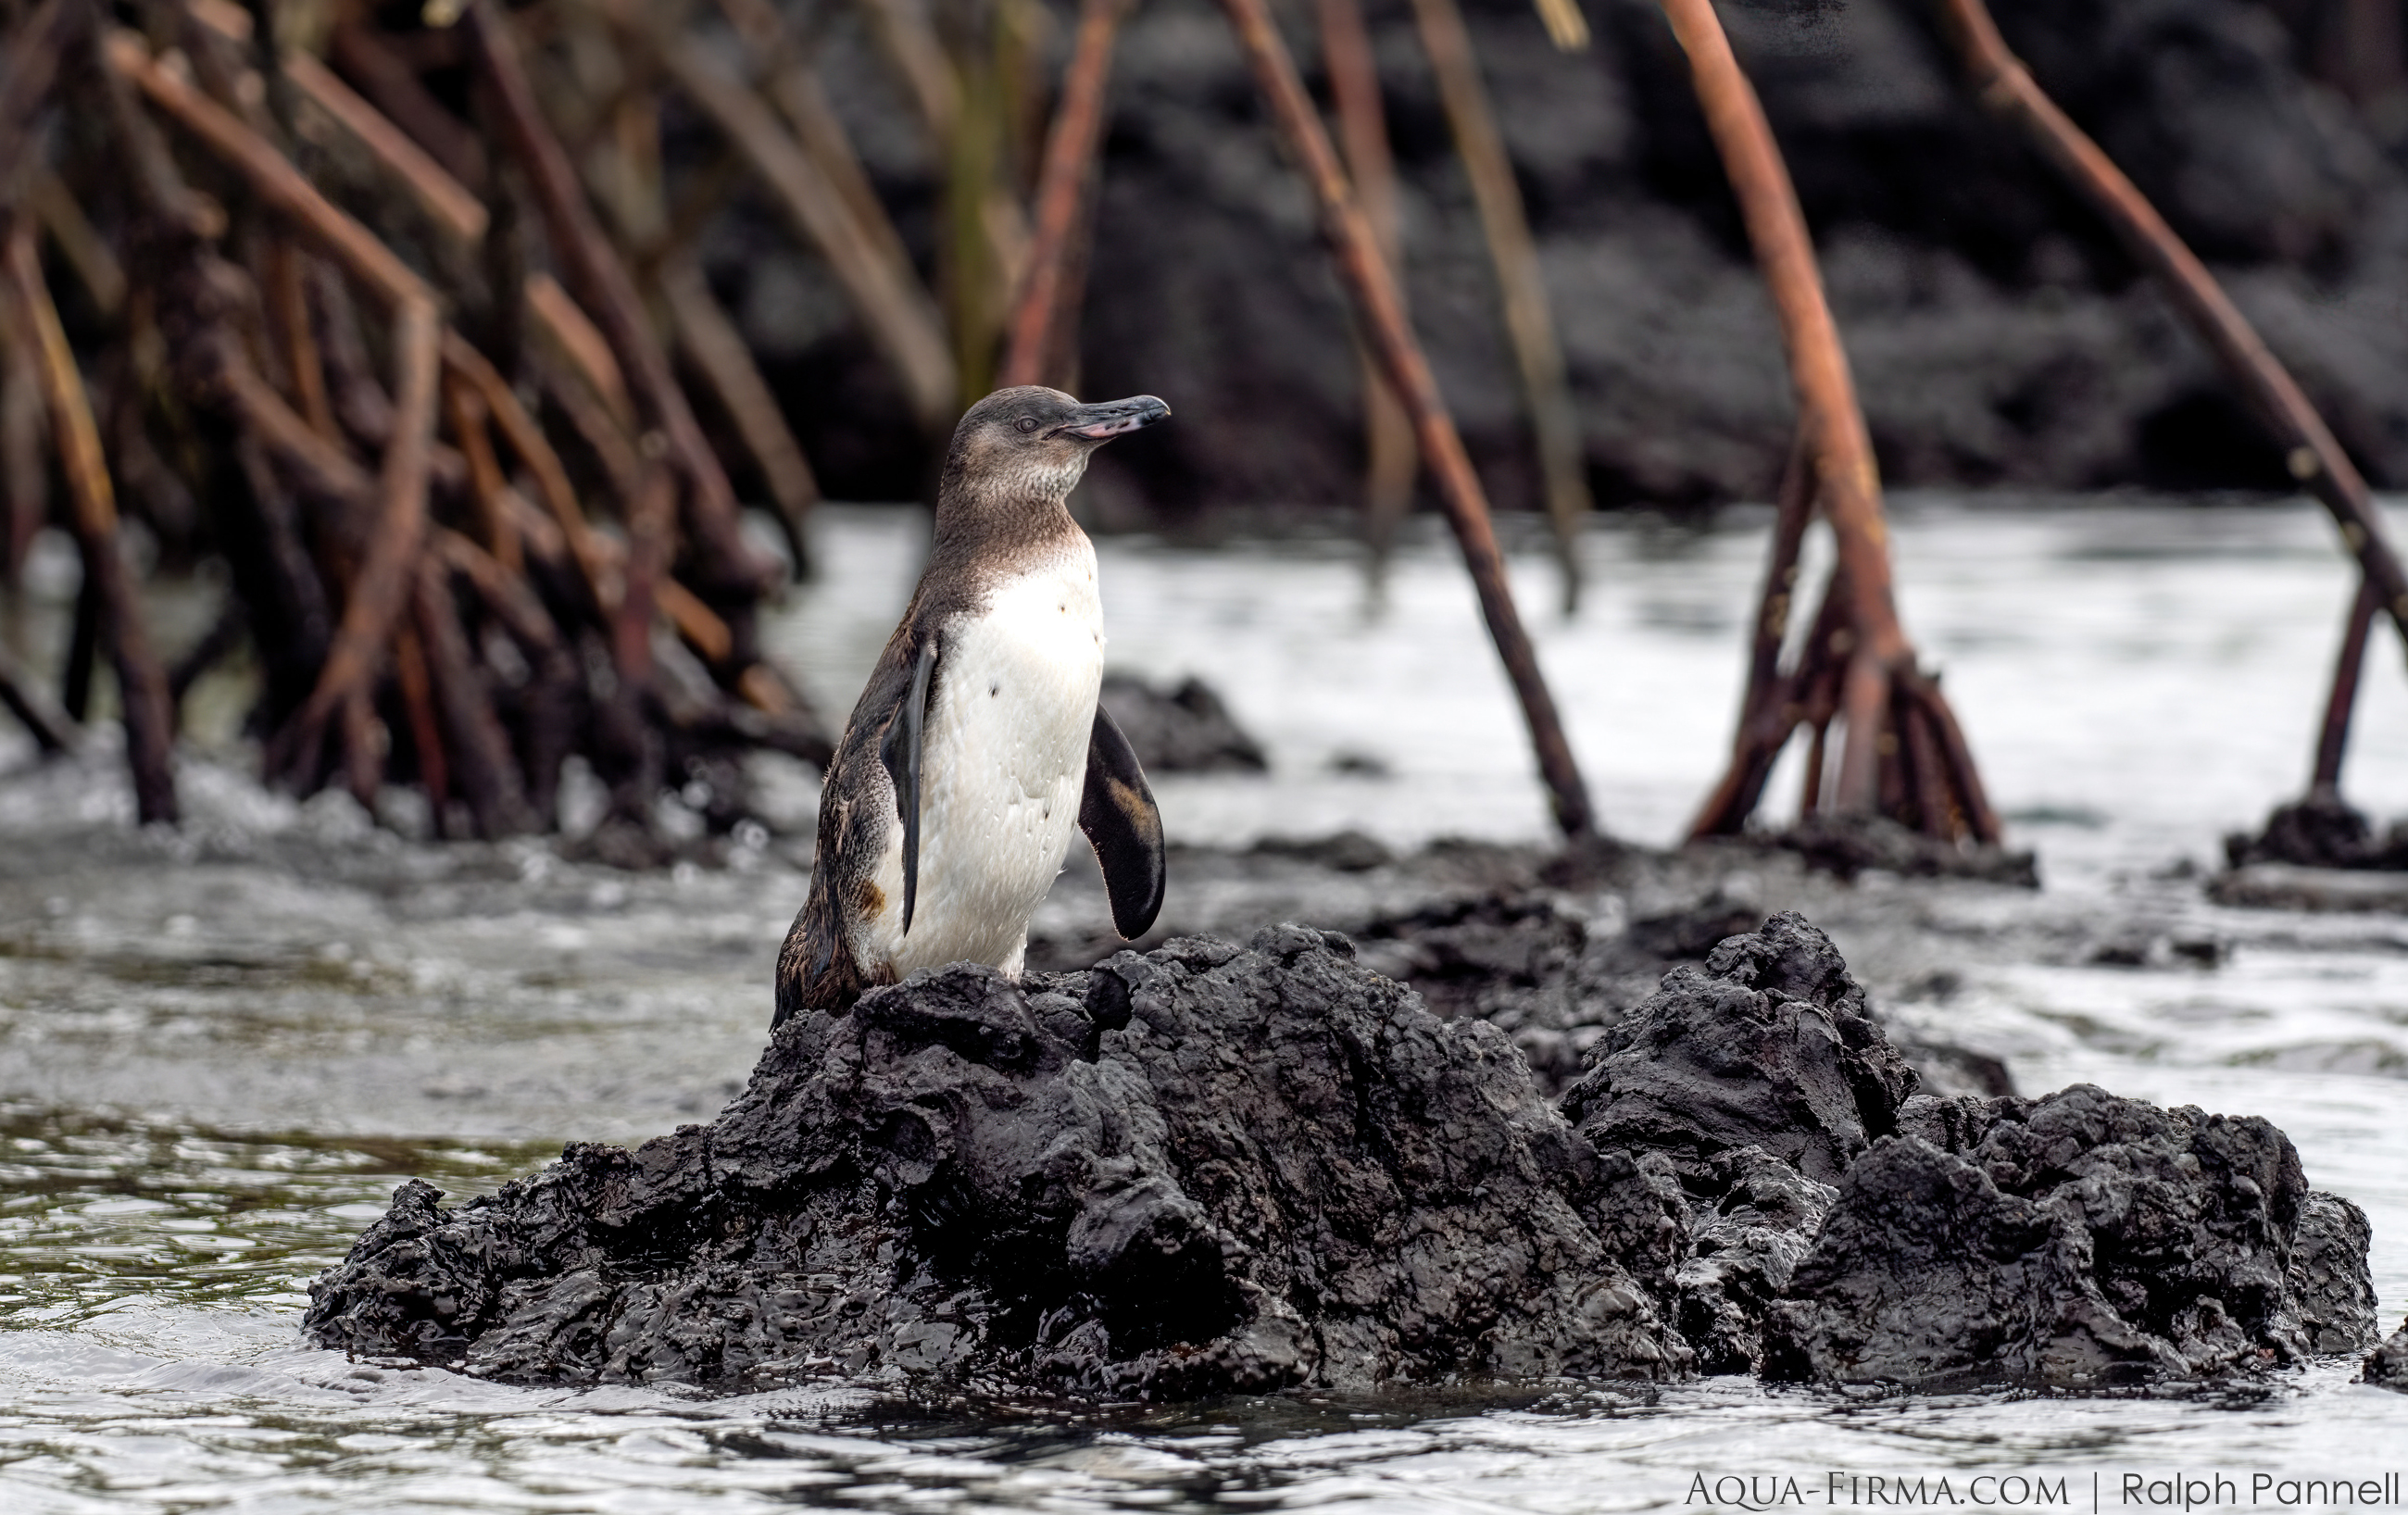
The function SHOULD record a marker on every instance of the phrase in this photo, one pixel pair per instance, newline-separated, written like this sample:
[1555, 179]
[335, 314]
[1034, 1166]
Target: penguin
[978, 744]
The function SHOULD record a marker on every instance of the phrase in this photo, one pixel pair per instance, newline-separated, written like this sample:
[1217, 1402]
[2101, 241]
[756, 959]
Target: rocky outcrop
[1531, 961]
[1211, 1169]
[2284, 886]
[1525, 962]
[2331, 1285]
[1758, 1078]
[1744, 1248]
[1767, 1046]
[1202, 1170]
[2080, 1240]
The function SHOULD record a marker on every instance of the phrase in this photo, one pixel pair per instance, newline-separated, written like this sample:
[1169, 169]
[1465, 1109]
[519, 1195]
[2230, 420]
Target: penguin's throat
[1031, 480]
[1012, 519]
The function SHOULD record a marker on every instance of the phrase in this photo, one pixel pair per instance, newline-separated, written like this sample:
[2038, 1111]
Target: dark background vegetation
[2000, 334]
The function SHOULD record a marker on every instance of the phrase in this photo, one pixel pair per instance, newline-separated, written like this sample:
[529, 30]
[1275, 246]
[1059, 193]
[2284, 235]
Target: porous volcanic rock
[1758, 1078]
[2329, 1278]
[1767, 1046]
[1525, 962]
[1531, 963]
[1539, 963]
[1204, 1169]
[1209, 1169]
[2078, 1241]
[1747, 1243]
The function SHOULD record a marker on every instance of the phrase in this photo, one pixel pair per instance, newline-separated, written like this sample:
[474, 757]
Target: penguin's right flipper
[1118, 814]
[906, 735]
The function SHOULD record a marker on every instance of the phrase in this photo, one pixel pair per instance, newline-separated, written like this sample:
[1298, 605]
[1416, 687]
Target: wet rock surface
[1767, 1046]
[2283, 886]
[2081, 1240]
[2388, 1365]
[1849, 845]
[1205, 1169]
[1529, 948]
[1531, 963]
[1183, 728]
[2322, 831]
[2317, 853]
[1210, 1168]
[1757, 1079]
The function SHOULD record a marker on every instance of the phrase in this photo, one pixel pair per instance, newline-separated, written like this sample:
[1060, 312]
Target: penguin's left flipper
[1118, 814]
[900, 751]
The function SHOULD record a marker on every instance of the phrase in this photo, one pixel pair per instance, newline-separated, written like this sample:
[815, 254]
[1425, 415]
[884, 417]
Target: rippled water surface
[220, 1048]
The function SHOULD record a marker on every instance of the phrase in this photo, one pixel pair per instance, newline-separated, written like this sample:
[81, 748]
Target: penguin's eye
[1026, 423]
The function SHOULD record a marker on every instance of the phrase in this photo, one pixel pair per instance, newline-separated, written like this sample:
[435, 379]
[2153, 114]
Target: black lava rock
[2322, 831]
[1746, 1245]
[1527, 961]
[1946, 1068]
[1693, 932]
[1181, 730]
[1340, 851]
[1209, 1169]
[1767, 1045]
[1757, 1079]
[2078, 1241]
[1205, 1169]
[2328, 1278]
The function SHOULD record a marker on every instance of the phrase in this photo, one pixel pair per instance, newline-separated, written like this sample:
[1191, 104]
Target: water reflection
[106, 1212]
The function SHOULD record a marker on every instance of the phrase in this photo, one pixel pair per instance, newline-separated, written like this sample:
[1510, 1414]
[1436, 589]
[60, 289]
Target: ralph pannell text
[2096, 1491]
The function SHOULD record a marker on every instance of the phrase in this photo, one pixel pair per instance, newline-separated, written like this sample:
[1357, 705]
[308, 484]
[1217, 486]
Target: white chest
[1004, 760]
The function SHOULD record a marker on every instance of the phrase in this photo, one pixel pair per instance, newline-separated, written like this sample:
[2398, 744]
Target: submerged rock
[2284, 886]
[1186, 729]
[1847, 845]
[2321, 831]
[2386, 1366]
[1209, 1169]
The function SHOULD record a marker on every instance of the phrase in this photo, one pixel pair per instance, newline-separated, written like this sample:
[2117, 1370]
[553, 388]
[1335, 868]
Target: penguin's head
[1031, 440]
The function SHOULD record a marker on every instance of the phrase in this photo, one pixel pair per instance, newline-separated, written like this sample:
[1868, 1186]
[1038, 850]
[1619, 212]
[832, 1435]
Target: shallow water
[219, 1050]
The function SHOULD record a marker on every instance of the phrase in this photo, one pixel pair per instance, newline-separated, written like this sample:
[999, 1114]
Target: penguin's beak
[1111, 418]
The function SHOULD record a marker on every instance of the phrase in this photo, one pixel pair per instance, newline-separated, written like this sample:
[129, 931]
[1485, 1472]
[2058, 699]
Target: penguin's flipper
[906, 734]
[1118, 815]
